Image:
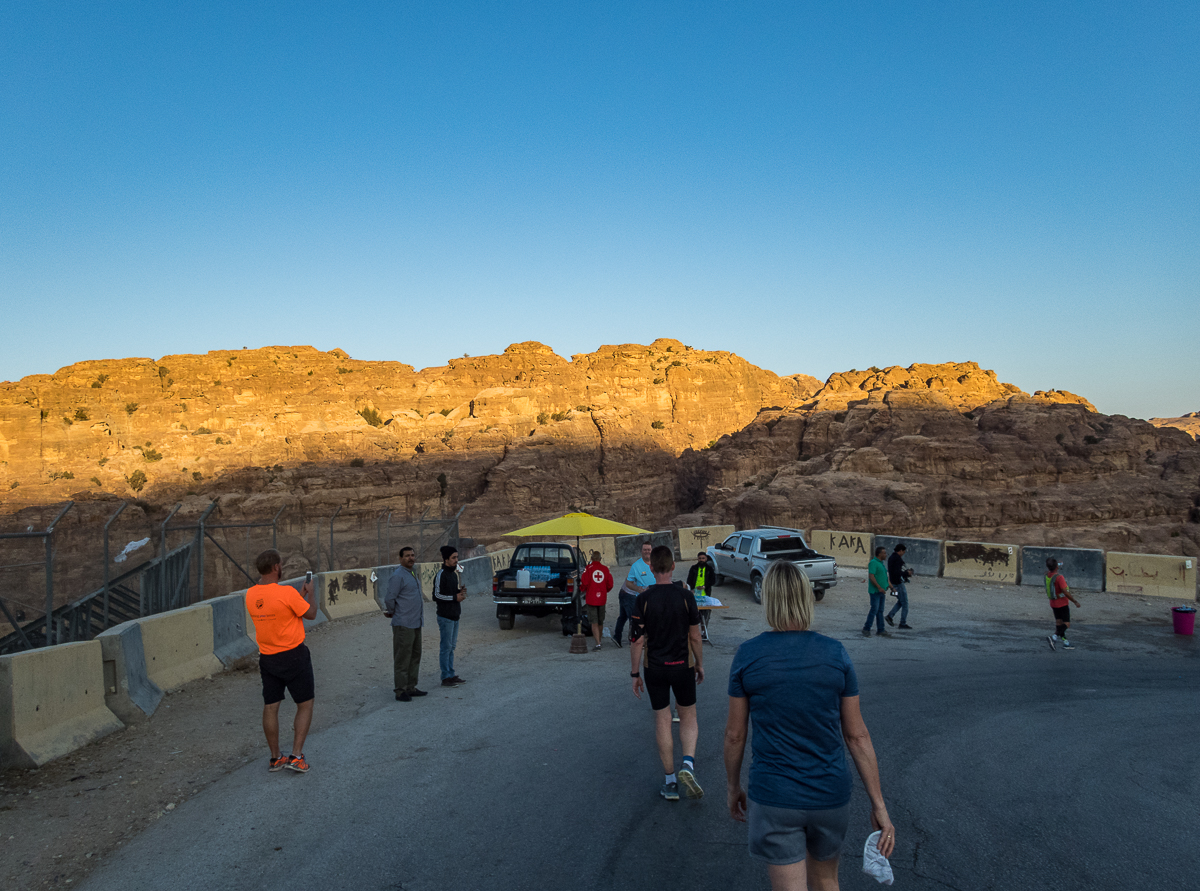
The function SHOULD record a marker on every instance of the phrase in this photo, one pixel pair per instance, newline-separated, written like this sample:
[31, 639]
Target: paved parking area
[1005, 765]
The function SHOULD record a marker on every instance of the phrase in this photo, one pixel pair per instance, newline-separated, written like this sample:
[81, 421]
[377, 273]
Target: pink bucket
[1185, 619]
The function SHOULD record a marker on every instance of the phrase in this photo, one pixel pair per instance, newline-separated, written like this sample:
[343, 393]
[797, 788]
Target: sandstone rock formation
[651, 435]
[518, 436]
[948, 452]
[1189, 423]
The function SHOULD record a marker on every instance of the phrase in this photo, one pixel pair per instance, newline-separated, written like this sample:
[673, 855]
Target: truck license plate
[531, 601]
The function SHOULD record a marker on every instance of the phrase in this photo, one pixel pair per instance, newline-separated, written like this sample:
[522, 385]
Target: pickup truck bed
[552, 584]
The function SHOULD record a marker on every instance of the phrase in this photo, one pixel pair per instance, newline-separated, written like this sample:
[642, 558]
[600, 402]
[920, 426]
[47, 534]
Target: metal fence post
[331, 519]
[124, 504]
[49, 539]
[275, 528]
[200, 528]
[162, 562]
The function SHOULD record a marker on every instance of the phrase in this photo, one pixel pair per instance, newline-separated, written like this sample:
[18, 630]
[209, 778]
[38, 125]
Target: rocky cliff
[650, 435]
[1189, 423]
[949, 452]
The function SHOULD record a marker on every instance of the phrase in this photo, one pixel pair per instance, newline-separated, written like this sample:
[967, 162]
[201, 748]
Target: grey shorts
[781, 835]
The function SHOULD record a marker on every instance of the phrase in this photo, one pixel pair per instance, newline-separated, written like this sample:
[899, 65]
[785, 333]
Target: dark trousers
[901, 602]
[628, 601]
[406, 657]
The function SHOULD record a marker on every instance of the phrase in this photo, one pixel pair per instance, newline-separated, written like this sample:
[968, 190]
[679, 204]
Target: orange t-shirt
[276, 610]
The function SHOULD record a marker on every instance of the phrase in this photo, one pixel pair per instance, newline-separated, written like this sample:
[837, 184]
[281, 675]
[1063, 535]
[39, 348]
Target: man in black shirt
[448, 594]
[899, 576]
[666, 624]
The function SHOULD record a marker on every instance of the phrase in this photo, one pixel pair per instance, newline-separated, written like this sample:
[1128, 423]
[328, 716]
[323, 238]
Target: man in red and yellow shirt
[596, 581]
[284, 662]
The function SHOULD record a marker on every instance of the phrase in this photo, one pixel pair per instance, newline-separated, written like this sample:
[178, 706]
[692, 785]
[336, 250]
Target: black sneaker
[617, 641]
[669, 791]
[906, 626]
[882, 633]
[404, 697]
[866, 632]
[451, 682]
[415, 692]
[888, 619]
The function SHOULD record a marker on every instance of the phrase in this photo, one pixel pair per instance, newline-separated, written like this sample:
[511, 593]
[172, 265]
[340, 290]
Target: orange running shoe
[278, 763]
[297, 763]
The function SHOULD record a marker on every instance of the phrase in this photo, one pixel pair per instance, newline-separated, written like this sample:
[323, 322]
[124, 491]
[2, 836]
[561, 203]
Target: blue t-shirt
[640, 574]
[795, 681]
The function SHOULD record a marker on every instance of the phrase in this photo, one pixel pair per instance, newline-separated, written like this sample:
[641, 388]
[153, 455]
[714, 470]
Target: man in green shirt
[877, 587]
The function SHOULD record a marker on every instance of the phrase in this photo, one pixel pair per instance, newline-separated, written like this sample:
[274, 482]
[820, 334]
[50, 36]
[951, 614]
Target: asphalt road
[1005, 766]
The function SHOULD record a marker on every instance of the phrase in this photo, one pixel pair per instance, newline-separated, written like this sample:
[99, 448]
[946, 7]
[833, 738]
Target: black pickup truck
[542, 578]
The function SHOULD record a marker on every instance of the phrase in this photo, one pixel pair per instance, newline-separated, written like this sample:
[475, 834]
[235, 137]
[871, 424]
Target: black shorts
[290, 670]
[1062, 613]
[662, 682]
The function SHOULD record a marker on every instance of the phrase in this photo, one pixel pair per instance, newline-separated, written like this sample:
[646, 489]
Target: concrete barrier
[629, 547]
[298, 583]
[477, 575]
[981, 561]
[128, 691]
[924, 555]
[1084, 568]
[233, 642]
[1150, 574]
[694, 539]
[178, 646]
[501, 559]
[52, 703]
[427, 572]
[347, 592]
[848, 548]
[605, 545]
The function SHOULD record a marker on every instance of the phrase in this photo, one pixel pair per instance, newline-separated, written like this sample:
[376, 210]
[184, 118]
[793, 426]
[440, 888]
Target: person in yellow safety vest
[702, 575]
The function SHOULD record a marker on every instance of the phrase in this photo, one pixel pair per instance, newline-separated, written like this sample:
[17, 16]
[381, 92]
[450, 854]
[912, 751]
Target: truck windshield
[543, 555]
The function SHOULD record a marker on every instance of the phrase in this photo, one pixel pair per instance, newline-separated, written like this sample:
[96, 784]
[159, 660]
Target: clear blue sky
[816, 187]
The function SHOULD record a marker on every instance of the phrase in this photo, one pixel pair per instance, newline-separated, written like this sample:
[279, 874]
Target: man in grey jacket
[406, 608]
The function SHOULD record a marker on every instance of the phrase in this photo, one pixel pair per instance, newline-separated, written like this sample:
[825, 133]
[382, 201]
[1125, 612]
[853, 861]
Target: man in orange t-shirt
[284, 662]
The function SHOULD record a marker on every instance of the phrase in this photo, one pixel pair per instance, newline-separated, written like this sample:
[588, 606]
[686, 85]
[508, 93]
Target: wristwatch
[634, 674]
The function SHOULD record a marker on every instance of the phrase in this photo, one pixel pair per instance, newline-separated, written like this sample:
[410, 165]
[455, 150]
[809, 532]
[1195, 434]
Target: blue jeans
[901, 604]
[628, 602]
[876, 612]
[449, 630]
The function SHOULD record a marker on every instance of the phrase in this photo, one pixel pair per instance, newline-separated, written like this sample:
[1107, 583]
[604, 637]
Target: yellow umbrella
[578, 524]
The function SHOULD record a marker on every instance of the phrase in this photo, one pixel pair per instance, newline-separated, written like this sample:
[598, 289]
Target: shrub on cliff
[136, 480]
[371, 417]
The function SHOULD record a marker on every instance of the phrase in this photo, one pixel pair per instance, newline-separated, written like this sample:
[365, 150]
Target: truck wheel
[719, 581]
[818, 594]
[507, 618]
[756, 586]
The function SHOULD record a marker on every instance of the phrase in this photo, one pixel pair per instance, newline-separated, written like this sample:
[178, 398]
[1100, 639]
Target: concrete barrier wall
[501, 559]
[629, 547]
[606, 545]
[1083, 567]
[52, 703]
[1151, 575]
[981, 561]
[924, 555]
[128, 691]
[233, 642]
[848, 548]
[179, 646]
[347, 593]
[477, 575]
[426, 572]
[694, 539]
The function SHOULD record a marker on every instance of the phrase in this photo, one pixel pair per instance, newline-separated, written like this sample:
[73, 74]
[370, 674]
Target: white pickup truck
[745, 556]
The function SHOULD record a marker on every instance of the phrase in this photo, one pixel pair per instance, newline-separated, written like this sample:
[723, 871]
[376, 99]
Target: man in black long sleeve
[899, 576]
[448, 594]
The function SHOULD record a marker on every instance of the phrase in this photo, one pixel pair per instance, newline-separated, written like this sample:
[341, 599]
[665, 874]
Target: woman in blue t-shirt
[799, 689]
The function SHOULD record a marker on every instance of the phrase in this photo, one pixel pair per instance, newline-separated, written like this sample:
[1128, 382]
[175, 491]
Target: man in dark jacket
[899, 577]
[701, 576]
[448, 594]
